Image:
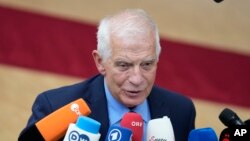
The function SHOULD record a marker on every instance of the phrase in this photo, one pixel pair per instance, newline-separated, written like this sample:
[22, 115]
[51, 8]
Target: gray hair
[124, 24]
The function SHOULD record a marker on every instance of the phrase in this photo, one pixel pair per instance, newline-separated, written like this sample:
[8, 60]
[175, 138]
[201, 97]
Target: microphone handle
[247, 122]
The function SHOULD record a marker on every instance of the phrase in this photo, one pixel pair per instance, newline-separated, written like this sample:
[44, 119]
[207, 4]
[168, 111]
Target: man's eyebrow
[149, 59]
[146, 59]
[121, 60]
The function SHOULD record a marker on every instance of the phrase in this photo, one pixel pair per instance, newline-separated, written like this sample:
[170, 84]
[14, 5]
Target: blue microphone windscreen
[202, 134]
[117, 133]
[88, 124]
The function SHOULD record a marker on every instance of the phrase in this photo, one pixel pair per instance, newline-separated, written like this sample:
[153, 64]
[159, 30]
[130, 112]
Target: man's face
[131, 69]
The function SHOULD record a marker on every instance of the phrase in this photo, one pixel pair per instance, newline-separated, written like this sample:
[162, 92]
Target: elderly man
[127, 54]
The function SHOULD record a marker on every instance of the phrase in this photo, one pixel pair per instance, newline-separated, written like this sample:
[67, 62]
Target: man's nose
[136, 77]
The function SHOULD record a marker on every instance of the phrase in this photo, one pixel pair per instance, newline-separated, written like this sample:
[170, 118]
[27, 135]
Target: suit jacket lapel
[98, 104]
[157, 105]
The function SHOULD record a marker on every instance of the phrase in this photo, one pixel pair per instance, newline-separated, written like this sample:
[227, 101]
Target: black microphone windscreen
[229, 118]
[218, 1]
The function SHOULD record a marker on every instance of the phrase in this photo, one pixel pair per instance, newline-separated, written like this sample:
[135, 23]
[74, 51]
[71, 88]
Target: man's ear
[98, 62]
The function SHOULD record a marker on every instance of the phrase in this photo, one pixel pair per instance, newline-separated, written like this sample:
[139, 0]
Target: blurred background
[46, 44]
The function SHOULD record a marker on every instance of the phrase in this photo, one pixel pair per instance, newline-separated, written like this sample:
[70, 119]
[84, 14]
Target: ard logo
[115, 135]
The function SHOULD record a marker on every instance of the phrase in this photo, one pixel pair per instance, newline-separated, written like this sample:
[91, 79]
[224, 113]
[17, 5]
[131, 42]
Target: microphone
[54, 126]
[247, 122]
[160, 129]
[218, 1]
[134, 122]
[85, 129]
[202, 134]
[237, 130]
[117, 133]
[230, 118]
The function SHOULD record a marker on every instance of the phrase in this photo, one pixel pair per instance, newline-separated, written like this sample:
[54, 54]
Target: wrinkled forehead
[136, 43]
[136, 50]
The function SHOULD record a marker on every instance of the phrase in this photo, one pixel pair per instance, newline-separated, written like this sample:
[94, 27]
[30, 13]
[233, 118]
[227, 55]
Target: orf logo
[115, 135]
[75, 136]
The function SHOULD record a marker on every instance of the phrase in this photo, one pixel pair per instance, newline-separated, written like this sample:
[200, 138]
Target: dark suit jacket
[178, 108]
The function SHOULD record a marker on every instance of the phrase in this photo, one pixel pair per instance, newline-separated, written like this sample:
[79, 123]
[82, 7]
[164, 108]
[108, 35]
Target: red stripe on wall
[62, 46]
[46, 43]
[205, 73]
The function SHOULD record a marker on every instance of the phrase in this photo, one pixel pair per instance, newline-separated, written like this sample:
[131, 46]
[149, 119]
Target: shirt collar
[117, 110]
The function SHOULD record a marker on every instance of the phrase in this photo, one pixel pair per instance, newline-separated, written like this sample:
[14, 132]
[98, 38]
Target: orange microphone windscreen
[55, 125]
